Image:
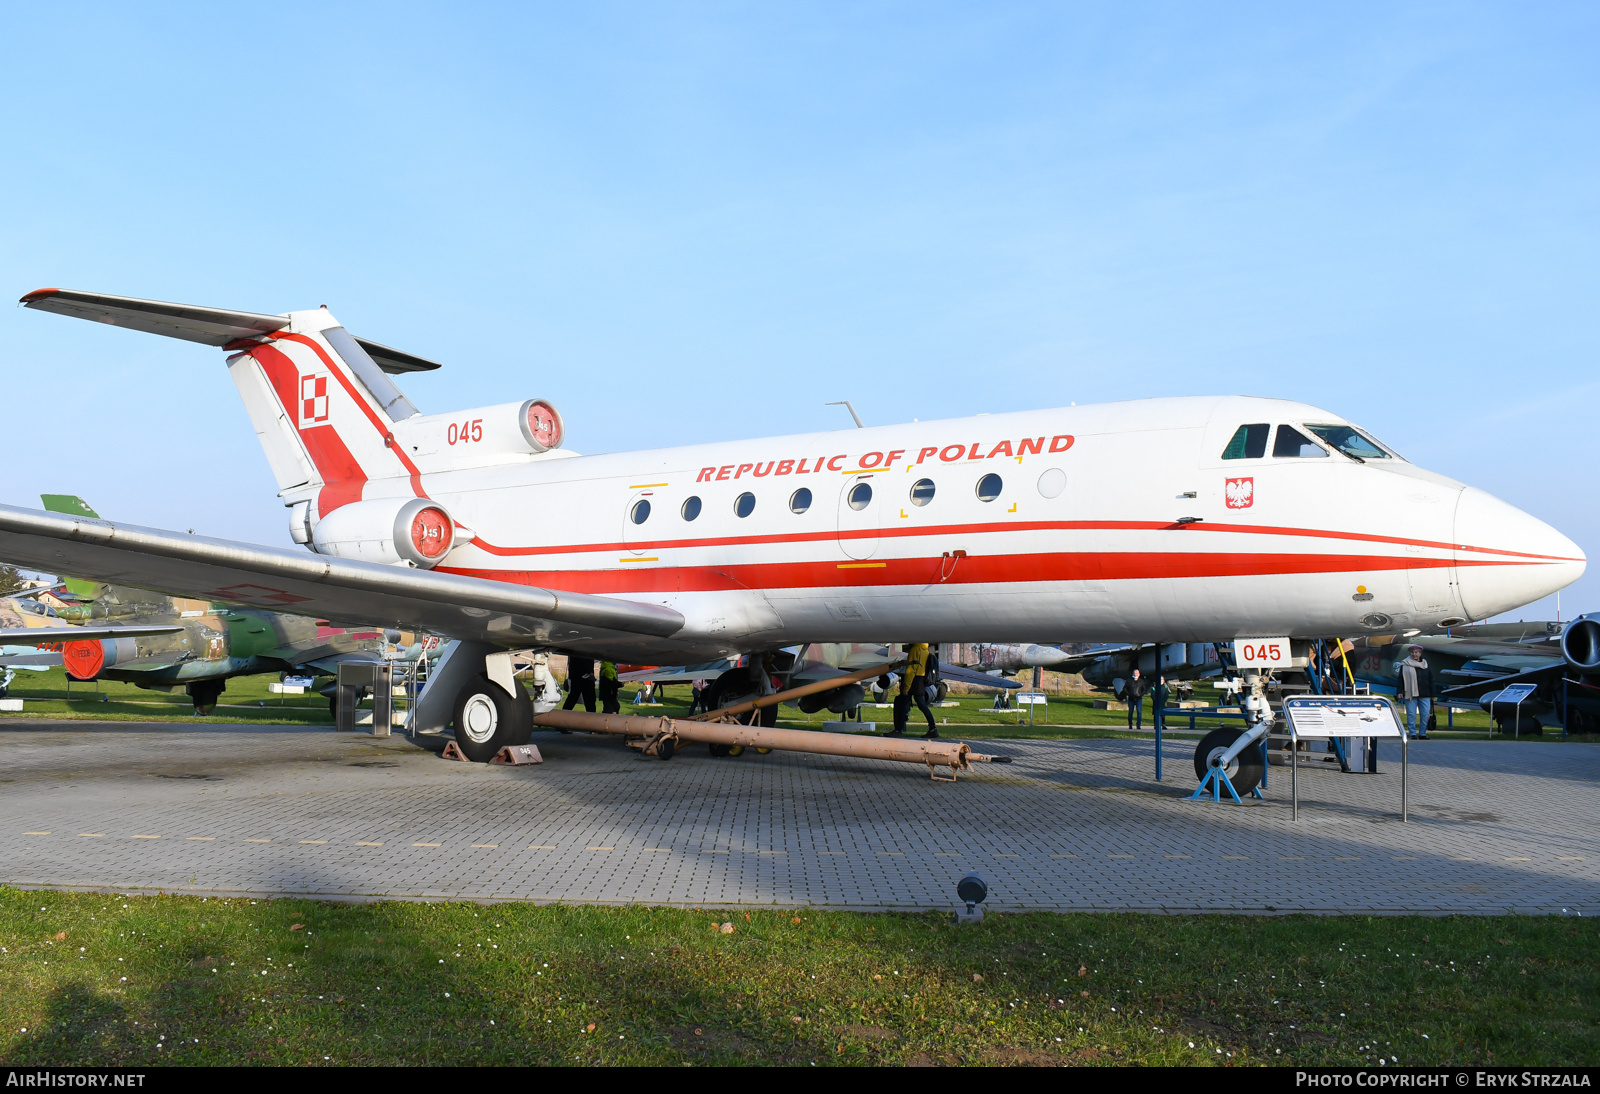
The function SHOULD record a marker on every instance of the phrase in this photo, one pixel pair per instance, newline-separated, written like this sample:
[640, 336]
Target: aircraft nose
[1506, 558]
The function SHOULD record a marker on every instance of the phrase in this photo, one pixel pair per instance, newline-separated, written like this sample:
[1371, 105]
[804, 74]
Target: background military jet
[114, 632]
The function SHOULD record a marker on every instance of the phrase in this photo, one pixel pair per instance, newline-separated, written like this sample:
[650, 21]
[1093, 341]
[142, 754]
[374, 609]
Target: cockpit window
[1351, 441]
[1249, 443]
[1292, 443]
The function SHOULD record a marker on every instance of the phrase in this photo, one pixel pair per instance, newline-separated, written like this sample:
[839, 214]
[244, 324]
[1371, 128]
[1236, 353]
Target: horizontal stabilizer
[212, 326]
[499, 613]
[192, 323]
[32, 636]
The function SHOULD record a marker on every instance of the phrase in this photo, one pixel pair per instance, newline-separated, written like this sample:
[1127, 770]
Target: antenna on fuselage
[846, 404]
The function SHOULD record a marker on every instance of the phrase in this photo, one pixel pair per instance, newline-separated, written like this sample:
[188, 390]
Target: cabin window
[691, 508]
[1249, 443]
[1351, 441]
[744, 504]
[989, 487]
[1291, 444]
[1052, 482]
[640, 512]
[922, 492]
[800, 500]
[860, 496]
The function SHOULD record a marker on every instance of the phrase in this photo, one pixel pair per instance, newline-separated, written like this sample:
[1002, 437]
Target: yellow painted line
[1515, 858]
[313, 841]
[658, 848]
[646, 485]
[425, 845]
[258, 841]
[369, 845]
[1240, 857]
[713, 851]
[1291, 858]
[1108, 856]
[201, 839]
[650, 559]
[891, 852]
[542, 847]
[1345, 858]
[486, 845]
[36, 833]
[862, 565]
[91, 835]
[1063, 856]
[1407, 858]
[1563, 858]
[599, 848]
[1460, 858]
[146, 837]
[1177, 856]
[864, 471]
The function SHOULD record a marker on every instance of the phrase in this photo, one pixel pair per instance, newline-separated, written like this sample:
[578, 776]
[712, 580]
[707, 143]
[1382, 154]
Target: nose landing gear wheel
[487, 719]
[1244, 772]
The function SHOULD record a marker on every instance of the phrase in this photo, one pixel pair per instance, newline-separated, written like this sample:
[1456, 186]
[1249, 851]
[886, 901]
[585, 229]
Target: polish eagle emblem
[1240, 493]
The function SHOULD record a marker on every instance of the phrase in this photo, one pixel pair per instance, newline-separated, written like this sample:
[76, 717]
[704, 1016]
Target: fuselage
[1115, 522]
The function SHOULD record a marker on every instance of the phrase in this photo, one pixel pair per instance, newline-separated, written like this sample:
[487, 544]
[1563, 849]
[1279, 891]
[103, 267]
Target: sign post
[1321, 717]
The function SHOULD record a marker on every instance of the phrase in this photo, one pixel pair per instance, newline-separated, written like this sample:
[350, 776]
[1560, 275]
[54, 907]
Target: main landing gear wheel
[205, 694]
[487, 719]
[1246, 770]
[940, 691]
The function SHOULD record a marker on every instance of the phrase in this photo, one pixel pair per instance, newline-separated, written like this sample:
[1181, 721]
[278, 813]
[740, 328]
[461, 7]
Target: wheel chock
[452, 752]
[517, 755]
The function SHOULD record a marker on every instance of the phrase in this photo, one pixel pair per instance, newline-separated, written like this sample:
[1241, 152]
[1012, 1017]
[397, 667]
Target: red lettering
[1001, 449]
[722, 473]
[451, 433]
[786, 466]
[477, 429]
[743, 467]
[895, 455]
[1024, 446]
[1056, 444]
[833, 461]
[875, 457]
[818, 465]
[706, 473]
[926, 452]
[760, 474]
[959, 450]
[974, 454]
[801, 470]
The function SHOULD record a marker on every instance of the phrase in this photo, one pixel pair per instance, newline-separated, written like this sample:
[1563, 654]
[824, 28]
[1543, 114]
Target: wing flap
[499, 613]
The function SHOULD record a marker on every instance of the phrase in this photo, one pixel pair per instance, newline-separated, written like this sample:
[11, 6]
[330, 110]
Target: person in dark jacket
[610, 688]
[580, 680]
[1133, 694]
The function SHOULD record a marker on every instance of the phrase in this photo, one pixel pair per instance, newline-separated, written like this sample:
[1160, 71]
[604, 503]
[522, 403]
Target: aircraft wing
[90, 632]
[1478, 689]
[973, 676]
[451, 605]
[676, 674]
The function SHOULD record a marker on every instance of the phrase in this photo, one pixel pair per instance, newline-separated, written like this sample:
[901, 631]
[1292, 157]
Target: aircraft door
[859, 506]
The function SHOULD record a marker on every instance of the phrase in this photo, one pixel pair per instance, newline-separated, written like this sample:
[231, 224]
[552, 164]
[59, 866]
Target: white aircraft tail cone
[1522, 559]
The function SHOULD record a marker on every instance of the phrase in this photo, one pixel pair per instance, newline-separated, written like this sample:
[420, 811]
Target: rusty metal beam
[724, 713]
[663, 735]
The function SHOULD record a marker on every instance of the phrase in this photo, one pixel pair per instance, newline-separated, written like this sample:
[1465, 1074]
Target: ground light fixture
[972, 891]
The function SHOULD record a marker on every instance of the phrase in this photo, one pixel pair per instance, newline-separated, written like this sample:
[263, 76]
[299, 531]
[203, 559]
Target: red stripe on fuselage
[980, 570]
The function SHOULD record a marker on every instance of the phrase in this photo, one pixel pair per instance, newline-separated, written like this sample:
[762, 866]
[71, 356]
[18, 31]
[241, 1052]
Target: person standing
[580, 681]
[609, 688]
[1415, 688]
[697, 697]
[914, 689]
[1133, 695]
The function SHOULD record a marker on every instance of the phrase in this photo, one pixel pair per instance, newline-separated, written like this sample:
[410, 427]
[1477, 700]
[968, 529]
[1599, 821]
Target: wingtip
[37, 294]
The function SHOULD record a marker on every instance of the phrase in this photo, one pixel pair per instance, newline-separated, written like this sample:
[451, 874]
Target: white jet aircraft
[1159, 520]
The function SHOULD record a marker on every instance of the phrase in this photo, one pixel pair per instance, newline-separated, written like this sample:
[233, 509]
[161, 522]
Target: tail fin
[73, 506]
[320, 399]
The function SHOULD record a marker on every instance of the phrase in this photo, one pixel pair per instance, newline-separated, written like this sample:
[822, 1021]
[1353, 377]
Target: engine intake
[388, 530]
[1580, 644]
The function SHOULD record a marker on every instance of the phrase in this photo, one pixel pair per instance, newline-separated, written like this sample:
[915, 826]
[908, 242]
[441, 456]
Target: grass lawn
[246, 700]
[104, 980]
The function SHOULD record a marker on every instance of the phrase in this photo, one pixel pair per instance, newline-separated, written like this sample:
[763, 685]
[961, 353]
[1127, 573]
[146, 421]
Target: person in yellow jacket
[914, 680]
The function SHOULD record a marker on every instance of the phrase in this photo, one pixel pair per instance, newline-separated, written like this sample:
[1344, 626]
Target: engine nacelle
[1580, 643]
[388, 530]
[486, 435]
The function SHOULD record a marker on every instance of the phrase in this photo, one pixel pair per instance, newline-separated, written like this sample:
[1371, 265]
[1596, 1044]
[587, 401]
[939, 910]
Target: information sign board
[1340, 716]
[1514, 694]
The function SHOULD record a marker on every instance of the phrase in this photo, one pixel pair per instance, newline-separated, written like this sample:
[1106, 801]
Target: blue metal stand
[1218, 780]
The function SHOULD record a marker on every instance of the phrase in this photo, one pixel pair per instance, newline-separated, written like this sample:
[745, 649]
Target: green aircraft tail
[73, 506]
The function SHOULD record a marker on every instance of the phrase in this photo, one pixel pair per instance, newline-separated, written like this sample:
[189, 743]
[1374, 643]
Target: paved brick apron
[1071, 825]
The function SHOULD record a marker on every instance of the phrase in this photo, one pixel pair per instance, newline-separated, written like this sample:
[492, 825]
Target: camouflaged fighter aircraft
[155, 641]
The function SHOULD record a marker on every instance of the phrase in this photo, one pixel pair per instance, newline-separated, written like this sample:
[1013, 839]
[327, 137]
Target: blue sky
[699, 222]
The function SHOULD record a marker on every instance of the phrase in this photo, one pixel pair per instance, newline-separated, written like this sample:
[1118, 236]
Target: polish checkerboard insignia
[313, 399]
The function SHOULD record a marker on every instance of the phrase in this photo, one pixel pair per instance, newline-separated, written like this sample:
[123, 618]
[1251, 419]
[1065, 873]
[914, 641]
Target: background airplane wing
[1482, 687]
[452, 605]
[90, 632]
